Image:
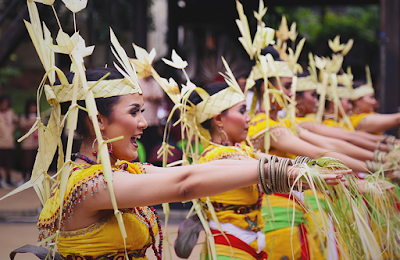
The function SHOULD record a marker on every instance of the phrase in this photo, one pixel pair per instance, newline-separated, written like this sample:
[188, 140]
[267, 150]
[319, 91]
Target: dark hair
[271, 50]
[327, 101]
[5, 97]
[104, 105]
[28, 103]
[211, 89]
[358, 83]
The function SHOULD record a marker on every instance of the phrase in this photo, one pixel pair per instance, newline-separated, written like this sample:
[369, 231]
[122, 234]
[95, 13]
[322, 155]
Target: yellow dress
[256, 132]
[332, 123]
[283, 242]
[357, 121]
[102, 239]
[240, 207]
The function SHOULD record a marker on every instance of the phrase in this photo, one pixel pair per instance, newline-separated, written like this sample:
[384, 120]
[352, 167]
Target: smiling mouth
[134, 139]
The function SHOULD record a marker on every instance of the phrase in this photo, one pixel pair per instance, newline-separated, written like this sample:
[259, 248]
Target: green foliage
[7, 72]
[320, 24]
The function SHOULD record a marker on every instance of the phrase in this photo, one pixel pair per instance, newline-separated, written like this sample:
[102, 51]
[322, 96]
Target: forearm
[354, 164]
[188, 182]
[348, 136]
[294, 145]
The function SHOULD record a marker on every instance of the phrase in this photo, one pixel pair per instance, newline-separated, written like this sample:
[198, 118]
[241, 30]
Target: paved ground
[19, 213]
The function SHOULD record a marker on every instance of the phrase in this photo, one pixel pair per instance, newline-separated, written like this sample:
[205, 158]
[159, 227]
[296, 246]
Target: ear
[102, 121]
[217, 120]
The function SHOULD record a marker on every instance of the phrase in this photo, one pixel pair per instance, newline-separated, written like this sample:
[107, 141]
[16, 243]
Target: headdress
[191, 117]
[365, 89]
[309, 82]
[330, 78]
[266, 67]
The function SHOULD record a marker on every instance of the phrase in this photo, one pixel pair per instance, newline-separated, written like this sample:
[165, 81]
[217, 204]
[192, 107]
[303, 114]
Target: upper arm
[289, 143]
[379, 122]
[133, 190]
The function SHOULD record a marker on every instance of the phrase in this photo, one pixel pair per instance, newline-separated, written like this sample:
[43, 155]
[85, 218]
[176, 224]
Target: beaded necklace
[85, 158]
[157, 252]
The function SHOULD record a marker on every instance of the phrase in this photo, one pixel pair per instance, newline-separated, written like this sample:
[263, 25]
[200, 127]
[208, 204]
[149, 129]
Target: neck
[273, 114]
[86, 150]
[216, 138]
[357, 110]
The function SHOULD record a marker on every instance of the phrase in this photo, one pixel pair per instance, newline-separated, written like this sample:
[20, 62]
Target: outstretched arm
[173, 184]
[363, 141]
[379, 122]
[287, 142]
[337, 145]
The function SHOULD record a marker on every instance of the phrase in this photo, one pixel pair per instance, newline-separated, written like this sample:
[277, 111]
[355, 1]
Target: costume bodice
[102, 239]
[358, 119]
[240, 207]
[257, 128]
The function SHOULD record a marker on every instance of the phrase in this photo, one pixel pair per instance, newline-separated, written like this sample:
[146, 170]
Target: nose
[142, 124]
[288, 92]
[247, 118]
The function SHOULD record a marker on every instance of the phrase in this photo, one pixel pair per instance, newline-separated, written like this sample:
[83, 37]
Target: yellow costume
[332, 123]
[256, 133]
[240, 207]
[94, 241]
[305, 239]
[358, 119]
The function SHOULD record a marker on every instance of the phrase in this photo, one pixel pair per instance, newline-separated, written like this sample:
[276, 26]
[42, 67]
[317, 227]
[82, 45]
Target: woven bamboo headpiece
[102, 89]
[340, 92]
[365, 89]
[220, 101]
[307, 83]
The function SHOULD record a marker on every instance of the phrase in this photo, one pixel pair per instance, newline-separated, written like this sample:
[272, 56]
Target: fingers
[342, 172]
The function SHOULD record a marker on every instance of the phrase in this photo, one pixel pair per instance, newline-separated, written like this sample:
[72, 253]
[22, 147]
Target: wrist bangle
[261, 175]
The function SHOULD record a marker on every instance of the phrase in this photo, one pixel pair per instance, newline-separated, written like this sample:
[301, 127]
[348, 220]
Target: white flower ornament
[176, 62]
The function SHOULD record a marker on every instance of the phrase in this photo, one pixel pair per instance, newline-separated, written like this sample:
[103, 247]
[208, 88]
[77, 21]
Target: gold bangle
[261, 175]
[280, 176]
[271, 173]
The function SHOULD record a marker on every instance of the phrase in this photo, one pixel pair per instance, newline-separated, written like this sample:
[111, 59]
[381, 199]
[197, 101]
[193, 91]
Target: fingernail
[339, 176]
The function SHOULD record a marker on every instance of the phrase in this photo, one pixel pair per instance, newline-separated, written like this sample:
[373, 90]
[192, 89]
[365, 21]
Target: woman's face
[286, 83]
[5, 104]
[366, 103]
[286, 86]
[236, 123]
[347, 105]
[307, 102]
[126, 120]
[32, 108]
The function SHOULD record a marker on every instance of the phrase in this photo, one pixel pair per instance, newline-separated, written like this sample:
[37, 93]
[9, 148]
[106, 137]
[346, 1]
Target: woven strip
[362, 91]
[217, 103]
[103, 89]
[307, 83]
[342, 92]
[282, 70]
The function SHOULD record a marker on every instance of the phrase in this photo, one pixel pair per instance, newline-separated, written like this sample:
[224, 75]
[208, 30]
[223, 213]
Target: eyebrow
[134, 105]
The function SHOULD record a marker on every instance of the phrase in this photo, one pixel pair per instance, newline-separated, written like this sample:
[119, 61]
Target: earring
[226, 142]
[110, 150]
[301, 109]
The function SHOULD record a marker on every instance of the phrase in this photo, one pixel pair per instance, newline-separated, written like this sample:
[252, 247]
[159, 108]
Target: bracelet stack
[300, 160]
[277, 175]
[390, 142]
[379, 156]
[373, 166]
